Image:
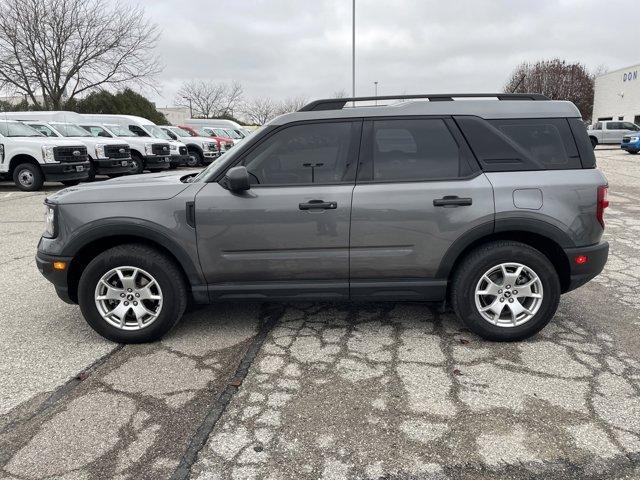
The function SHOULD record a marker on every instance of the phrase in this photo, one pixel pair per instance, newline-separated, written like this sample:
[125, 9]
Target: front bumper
[110, 166]
[179, 160]
[596, 259]
[59, 278]
[66, 171]
[630, 147]
[157, 162]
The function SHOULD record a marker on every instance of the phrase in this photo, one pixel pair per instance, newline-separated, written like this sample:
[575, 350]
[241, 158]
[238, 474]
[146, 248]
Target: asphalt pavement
[297, 391]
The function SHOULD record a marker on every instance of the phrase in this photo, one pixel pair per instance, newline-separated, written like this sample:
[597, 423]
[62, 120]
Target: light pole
[353, 51]
[190, 107]
[376, 90]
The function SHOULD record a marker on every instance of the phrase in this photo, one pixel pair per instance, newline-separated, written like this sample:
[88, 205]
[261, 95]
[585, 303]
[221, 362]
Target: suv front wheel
[505, 291]
[132, 294]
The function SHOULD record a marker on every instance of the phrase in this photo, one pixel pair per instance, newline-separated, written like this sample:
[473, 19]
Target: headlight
[100, 151]
[634, 139]
[1, 153]
[49, 221]
[173, 147]
[47, 153]
[148, 148]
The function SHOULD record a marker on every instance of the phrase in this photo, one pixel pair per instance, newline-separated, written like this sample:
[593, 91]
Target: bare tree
[59, 49]
[210, 99]
[291, 104]
[259, 111]
[340, 94]
[556, 79]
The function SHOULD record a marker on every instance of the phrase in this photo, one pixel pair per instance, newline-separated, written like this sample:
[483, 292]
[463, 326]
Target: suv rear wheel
[505, 291]
[132, 294]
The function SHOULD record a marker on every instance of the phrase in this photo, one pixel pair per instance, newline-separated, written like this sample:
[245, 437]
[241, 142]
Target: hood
[98, 140]
[131, 188]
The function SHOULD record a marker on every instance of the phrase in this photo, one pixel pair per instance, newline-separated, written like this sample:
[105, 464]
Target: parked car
[495, 207]
[239, 131]
[202, 150]
[224, 143]
[106, 156]
[30, 158]
[631, 143]
[153, 156]
[611, 132]
[141, 127]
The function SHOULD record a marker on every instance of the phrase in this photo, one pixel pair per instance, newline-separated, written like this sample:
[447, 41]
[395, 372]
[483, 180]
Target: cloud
[283, 48]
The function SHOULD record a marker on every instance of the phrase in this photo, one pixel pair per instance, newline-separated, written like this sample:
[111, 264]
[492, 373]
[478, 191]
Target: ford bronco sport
[493, 206]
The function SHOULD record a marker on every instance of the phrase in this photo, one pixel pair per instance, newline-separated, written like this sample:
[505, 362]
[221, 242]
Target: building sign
[628, 76]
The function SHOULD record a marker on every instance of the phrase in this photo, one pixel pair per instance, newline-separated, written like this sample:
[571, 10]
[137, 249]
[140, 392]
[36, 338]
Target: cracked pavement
[323, 391]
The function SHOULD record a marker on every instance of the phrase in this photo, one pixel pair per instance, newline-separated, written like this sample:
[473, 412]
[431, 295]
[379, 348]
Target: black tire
[70, 183]
[92, 172]
[28, 177]
[137, 163]
[198, 159]
[162, 268]
[633, 152]
[477, 263]
[594, 142]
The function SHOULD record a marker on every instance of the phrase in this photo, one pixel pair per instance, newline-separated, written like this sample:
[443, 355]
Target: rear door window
[413, 150]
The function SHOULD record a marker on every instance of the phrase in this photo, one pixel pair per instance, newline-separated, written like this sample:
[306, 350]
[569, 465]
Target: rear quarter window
[522, 144]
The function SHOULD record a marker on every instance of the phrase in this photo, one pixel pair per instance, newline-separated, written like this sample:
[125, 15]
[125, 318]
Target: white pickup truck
[610, 132]
[29, 158]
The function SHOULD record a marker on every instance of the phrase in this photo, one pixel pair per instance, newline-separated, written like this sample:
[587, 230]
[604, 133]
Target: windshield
[232, 134]
[180, 132]
[120, 131]
[221, 133]
[70, 130]
[17, 129]
[157, 132]
[97, 131]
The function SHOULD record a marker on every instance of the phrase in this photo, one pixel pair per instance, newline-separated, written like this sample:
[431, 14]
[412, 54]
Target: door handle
[318, 205]
[452, 201]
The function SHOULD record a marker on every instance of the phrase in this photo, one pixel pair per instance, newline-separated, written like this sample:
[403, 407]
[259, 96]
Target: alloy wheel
[508, 294]
[129, 298]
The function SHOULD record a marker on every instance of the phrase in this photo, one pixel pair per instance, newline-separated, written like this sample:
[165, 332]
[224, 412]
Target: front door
[418, 190]
[288, 236]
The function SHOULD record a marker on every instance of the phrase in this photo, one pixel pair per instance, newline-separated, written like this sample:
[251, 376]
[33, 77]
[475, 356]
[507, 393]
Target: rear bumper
[596, 259]
[44, 263]
[109, 166]
[65, 171]
[153, 161]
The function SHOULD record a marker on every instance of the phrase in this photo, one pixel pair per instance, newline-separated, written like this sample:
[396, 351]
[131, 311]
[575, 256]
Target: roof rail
[339, 103]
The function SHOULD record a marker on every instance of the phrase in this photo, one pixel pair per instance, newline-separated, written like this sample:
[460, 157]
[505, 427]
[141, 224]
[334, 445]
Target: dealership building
[617, 95]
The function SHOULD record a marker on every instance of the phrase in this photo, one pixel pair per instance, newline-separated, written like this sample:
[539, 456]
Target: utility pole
[376, 90]
[353, 51]
[190, 107]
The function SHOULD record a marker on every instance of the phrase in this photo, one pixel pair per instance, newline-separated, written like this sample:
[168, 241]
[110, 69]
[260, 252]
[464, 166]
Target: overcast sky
[283, 48]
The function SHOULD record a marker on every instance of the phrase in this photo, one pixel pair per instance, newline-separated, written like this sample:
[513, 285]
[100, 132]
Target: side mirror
[237, 179]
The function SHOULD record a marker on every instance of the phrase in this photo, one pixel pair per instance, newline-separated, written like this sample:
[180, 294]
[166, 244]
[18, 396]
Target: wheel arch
[83, 250]
[549, 240]
[22, 158]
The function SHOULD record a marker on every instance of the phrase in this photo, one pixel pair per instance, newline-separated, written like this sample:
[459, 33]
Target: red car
[224, 143]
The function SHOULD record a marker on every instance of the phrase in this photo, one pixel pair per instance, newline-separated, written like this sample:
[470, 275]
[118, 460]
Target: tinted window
[421, 149]
[521, 144]
[614, 126]
[304, 154]
[630, 126]
[598, 126]
[549, 141]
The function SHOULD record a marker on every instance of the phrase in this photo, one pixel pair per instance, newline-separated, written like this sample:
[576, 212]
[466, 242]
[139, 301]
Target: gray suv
[492, 206]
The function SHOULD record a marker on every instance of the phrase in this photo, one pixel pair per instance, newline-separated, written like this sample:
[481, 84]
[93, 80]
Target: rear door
[288, 236]
[418, 190]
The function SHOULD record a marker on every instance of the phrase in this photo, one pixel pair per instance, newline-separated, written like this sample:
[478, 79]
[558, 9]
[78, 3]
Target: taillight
[603, 203]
